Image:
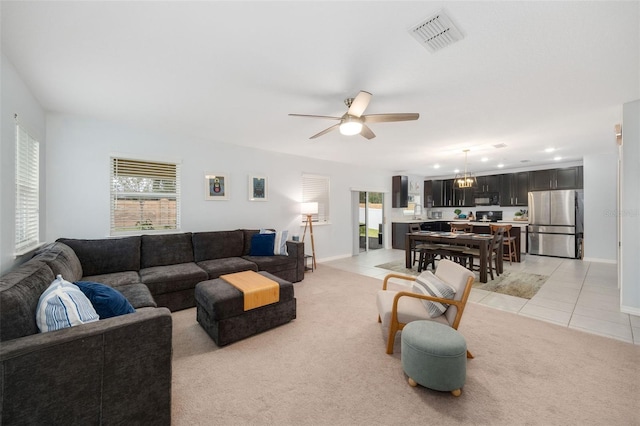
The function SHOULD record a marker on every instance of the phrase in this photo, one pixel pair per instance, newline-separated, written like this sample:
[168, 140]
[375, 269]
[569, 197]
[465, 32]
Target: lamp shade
[309, 208]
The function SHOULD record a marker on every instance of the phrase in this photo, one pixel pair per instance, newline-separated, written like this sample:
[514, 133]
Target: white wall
[600, 204]
[629, 213]
[16, 99]
[78, 183]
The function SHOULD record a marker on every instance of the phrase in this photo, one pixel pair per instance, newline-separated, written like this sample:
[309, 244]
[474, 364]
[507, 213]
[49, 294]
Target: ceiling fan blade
[366, 132]
[359, 104]
[315, 116]
[381, 118]
[325, 131]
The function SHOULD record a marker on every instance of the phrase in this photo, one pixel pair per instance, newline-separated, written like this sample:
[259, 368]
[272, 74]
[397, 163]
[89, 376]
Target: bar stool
[509, 249]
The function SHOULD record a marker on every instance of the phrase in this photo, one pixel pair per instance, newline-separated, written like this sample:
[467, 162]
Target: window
[27, 191]
[145, 196]
[315, 188]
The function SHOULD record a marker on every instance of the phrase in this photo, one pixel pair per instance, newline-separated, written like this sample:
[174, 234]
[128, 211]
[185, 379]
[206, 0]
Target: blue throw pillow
[262, 244]
[280, 242]
[108, 302]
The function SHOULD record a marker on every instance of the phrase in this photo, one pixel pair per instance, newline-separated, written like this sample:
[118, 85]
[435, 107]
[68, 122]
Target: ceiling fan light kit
[353, 122]
[350, 126]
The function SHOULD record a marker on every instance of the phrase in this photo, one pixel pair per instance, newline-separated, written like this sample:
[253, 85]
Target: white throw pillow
[430, 285]
[63, 305]
[280, 243]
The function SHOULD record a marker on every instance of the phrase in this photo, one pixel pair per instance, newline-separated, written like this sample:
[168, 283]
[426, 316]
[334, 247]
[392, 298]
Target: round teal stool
[434, 355]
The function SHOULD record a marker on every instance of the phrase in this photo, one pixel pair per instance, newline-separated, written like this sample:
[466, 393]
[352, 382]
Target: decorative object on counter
[470, 216]
[457, 213]
[466, 180]
[520, 215]
[309, 209]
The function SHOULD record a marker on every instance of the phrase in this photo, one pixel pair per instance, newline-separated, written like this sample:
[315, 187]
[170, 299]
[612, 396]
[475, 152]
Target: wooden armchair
[398, 307]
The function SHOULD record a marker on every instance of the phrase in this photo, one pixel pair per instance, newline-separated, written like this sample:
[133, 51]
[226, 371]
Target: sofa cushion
[248, 233]
[217, 245]
[107, 255]
[167, 249]
[108, 302]
[20, 291]
[172, 278]
[138, 295]
[262, 245]
[63, 305]
[217, 267]
[115, 279]
[61, 259]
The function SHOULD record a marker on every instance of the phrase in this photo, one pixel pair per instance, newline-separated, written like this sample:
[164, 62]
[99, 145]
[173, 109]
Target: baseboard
[631, 310]
[593, 259]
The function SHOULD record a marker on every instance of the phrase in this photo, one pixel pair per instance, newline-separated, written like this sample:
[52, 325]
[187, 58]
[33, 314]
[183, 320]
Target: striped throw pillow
[63, 305]
[430, 285]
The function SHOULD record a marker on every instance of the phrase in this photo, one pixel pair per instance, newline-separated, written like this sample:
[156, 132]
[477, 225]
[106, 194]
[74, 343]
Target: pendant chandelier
[466, 180]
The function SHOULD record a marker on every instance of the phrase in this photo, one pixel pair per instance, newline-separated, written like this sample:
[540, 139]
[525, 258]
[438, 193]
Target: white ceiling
[530, 75]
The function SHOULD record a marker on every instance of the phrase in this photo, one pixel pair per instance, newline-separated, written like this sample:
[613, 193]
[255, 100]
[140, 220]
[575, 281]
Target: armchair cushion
[430, 285]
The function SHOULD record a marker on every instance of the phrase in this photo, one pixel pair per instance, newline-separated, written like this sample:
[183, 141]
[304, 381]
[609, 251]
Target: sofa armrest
[296, 251]
[113, 371]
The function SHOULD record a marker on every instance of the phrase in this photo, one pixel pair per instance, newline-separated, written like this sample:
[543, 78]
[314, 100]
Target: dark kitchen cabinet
[514, 189]
[462, 197]
[563, 178]
[437, 190]
[488, 184]
[427, 198]
[399, 191]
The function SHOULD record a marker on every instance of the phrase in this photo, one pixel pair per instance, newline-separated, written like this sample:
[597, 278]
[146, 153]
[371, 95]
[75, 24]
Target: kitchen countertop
[475, 222]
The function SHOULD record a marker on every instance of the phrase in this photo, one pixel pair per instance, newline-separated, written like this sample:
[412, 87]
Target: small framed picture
[216, 186]
[258, 188]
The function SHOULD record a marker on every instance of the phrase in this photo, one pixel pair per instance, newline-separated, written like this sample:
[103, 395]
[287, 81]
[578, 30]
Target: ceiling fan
[354, 121]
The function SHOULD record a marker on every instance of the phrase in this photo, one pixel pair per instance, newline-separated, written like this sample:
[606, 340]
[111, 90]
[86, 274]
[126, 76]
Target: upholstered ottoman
[434, 355]
[220, 310]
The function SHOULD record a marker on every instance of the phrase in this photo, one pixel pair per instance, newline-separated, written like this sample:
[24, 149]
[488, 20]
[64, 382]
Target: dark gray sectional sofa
[116, 370]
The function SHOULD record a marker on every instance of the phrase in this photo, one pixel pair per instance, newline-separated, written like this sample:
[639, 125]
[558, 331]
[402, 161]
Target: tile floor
[578, 294]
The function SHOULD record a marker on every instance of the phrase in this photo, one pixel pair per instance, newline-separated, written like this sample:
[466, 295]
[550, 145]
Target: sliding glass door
[370, 220]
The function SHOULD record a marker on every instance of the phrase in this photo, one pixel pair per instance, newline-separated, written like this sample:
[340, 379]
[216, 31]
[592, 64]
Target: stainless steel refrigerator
[556, 223]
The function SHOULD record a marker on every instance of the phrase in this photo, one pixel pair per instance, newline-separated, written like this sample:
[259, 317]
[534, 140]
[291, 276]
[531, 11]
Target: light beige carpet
[514, 283]
[329, 367]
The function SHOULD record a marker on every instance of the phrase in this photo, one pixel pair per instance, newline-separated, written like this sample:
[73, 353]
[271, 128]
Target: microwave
[486, 199]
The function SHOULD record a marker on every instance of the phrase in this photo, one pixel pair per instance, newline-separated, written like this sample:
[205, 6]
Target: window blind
[27, 214]
[145, 196]
[315, 188]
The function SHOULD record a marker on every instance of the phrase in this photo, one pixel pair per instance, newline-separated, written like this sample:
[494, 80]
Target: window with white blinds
[145, 196]
[315, 188]
[27, 191]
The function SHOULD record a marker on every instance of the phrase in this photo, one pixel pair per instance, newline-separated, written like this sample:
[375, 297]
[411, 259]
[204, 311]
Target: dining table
[479, 241]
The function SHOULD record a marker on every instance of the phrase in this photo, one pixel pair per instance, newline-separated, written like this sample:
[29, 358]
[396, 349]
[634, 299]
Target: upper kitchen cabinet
[428, 194]
[514, 189]
[564, 178]
[462, 197]
[488, 183]
[399, 191]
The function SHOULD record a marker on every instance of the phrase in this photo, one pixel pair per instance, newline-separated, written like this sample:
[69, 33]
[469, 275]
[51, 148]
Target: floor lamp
[309, 209]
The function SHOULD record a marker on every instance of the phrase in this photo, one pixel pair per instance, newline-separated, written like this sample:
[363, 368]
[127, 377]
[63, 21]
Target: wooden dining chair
[509, 249]
[461, 226]
[492, 253]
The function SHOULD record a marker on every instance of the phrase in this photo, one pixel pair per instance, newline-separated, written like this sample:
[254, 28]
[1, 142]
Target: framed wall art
[258, 188]
[216, 186]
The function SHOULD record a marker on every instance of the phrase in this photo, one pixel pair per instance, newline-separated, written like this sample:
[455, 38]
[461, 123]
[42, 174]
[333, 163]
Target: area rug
[513, 283]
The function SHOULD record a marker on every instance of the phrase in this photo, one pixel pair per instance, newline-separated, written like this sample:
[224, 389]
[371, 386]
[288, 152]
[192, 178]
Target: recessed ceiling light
[557, 158]
[484, 159]
[549, 150]
[437, 166]
[456, 171]
[500, 165]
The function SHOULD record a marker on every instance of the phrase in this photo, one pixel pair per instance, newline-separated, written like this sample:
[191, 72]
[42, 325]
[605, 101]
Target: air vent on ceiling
[436, 32]
[500, 145]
